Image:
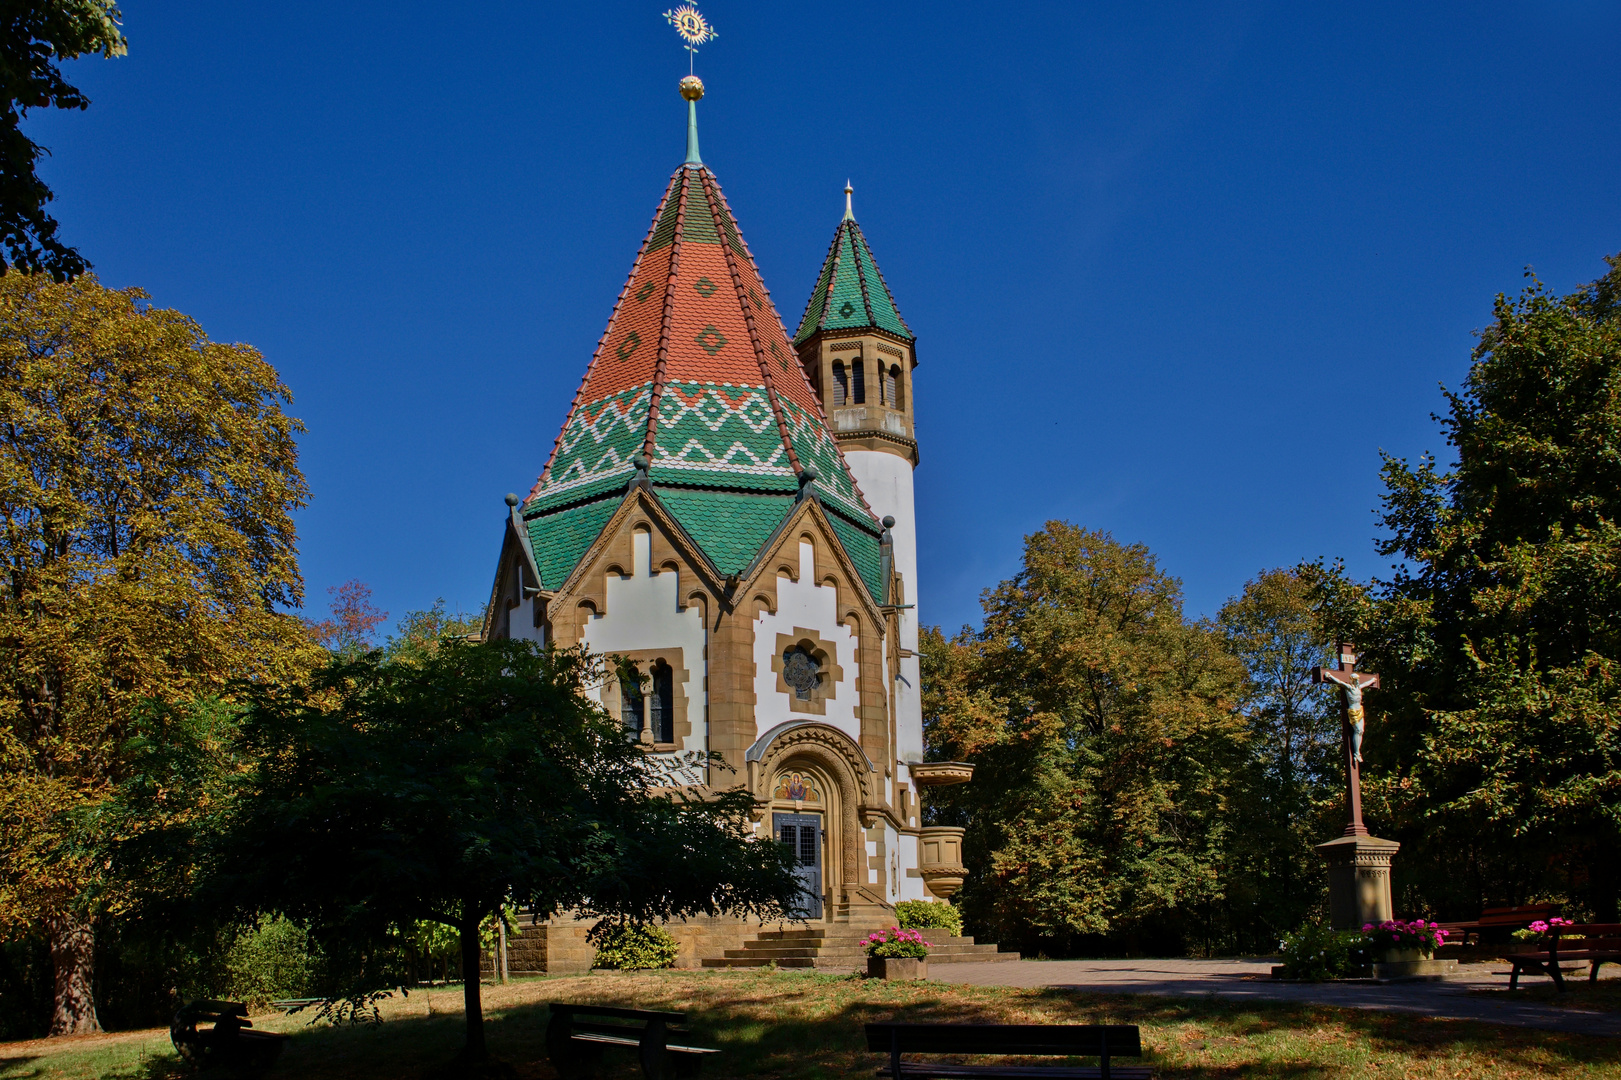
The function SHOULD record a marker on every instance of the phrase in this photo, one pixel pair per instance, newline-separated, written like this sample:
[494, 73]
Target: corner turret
[856, 349]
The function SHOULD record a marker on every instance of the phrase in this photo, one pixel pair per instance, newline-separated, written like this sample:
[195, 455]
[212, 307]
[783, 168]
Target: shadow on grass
[1601, 996]
[799, 1026]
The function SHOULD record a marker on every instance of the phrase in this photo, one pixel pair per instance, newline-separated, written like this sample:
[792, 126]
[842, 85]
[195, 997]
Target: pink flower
[1540, 927]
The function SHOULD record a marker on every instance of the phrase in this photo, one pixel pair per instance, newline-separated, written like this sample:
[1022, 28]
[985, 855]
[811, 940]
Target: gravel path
[1476, 993]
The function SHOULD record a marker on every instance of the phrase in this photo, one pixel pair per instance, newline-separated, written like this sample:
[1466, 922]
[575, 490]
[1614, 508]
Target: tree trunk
[73, 945]
[475, 1049]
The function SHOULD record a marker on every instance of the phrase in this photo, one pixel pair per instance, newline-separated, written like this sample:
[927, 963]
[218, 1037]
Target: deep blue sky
[1177, 271]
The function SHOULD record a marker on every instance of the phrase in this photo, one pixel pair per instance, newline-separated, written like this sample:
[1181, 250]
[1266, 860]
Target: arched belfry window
[841, 383]
[663, 703]
[890, 375]
[632, 703]
[898, 390]
[859, 381]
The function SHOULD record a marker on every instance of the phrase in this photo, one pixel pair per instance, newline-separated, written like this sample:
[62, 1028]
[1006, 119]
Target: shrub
[929, 915]
[896, 943]
[632, 947]
[1317, 953]
[273, 960]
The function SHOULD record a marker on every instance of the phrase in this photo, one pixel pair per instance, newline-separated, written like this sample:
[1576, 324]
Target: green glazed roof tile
[850, 292]
[730, 527]
[862, 547]
[561, 538]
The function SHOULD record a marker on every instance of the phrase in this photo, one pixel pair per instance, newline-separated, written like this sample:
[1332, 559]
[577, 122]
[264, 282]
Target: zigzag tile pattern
[594, 451]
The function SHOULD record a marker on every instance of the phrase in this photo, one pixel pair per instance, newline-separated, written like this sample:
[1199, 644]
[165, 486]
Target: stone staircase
[839, 948]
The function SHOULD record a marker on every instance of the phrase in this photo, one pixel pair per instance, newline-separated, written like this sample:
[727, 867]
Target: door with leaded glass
[802, 834]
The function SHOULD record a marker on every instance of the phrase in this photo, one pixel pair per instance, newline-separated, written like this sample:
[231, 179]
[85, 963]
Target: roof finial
[695, 30]
[692, 88]
[849, 214]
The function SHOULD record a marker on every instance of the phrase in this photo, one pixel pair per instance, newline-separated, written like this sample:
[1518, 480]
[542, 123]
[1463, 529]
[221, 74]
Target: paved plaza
[1477, 992]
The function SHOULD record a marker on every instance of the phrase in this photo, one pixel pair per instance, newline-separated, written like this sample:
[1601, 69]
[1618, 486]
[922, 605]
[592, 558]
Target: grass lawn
[792, 1025]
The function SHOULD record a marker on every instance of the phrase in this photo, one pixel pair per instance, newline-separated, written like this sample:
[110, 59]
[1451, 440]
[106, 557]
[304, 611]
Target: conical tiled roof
[695, 375]
[850, 293]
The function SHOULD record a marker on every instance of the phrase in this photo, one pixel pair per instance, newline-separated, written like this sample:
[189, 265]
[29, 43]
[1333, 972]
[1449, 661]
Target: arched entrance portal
[813, 780]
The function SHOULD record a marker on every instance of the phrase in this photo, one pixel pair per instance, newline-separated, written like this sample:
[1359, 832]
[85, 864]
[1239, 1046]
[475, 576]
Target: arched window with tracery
[632, 703]
[841, 383]
[858, 389]
[663, 703]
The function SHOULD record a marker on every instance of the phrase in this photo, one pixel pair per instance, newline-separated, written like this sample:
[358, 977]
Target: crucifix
[1351, 683]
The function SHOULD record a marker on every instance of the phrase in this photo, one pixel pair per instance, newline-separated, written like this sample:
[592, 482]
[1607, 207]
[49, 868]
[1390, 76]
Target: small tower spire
[692, 88]
[849, 214]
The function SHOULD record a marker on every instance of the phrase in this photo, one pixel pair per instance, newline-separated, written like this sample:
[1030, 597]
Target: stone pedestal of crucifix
[1358, 862]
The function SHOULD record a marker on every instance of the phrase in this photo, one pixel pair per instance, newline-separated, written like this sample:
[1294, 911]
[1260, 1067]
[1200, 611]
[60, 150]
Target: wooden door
[802, 834]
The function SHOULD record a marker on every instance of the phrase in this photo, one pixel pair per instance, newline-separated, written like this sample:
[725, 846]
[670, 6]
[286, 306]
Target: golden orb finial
[692, 88]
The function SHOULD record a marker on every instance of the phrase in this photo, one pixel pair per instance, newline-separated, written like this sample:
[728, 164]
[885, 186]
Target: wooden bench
[575, 1045]
[1498, 922]
[1602, 945]
[1103, 1042]
[231, 1040]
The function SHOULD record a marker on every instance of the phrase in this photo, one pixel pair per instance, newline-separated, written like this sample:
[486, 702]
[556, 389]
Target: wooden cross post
[1351, 683]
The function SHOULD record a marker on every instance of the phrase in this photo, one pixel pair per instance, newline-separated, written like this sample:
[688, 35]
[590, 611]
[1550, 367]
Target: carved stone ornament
[940, 773]
[800, 671]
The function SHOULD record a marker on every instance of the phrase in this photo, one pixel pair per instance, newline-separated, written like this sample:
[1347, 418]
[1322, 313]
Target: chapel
[730, 509]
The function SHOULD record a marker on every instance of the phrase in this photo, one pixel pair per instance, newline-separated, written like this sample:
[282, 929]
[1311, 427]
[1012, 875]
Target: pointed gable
[695, 379]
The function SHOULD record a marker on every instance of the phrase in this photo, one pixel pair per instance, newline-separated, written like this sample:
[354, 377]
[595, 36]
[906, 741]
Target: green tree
[475, 776]
[421, 633]
[147, 482]
[1104, 730]
[1290, 789]
[1495, 748]
[35, 35]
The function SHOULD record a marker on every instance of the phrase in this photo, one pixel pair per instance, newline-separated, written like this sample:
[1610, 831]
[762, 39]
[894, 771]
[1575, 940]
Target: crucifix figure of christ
[1351, 683]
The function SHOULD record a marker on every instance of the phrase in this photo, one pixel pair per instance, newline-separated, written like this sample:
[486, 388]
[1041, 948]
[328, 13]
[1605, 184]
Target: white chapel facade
[730, 508]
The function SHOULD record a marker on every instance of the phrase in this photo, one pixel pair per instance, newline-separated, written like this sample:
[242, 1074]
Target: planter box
[1411, 955]
[897, 967]
[1413, 969]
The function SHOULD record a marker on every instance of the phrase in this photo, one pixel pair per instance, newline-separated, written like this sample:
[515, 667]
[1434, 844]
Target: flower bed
[895, 943]
[1426, 937]
[1537, 936]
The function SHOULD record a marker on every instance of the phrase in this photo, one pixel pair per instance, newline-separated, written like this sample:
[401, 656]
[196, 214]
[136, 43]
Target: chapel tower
[858, 353]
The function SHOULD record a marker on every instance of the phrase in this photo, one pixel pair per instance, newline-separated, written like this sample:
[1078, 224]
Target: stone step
[793, 954]
[991, 957]
[944, 954]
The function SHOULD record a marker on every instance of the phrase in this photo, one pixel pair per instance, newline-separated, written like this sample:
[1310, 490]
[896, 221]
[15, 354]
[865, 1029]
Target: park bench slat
[574, 1043]
[623, 1014]
[1103, 1041]
[1075, 1040]
[1597, 949]
[613, 1040]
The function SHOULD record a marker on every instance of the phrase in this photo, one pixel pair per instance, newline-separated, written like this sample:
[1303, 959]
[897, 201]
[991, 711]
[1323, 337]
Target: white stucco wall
[912, 888]
[809, 606]
[641, 612]
[521, 623]
[886, 481]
